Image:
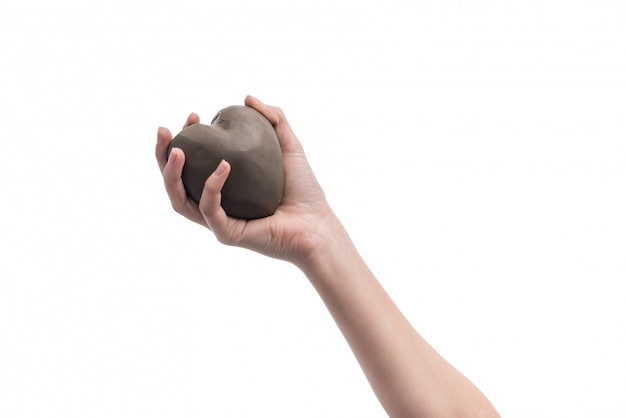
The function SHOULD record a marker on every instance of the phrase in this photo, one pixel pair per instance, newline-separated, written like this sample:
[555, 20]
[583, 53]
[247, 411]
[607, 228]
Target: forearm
[408, 376]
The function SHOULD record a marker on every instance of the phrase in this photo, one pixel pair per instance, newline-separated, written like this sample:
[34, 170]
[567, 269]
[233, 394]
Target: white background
[476, 152]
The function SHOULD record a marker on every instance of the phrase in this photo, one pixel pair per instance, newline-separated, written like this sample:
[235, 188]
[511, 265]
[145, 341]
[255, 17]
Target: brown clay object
[245, 138]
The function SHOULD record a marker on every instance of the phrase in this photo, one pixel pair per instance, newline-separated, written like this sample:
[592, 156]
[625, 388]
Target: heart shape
[245, 138]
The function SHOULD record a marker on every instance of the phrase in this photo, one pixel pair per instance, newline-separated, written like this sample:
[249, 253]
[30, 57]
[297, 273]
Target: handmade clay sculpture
[246, 139]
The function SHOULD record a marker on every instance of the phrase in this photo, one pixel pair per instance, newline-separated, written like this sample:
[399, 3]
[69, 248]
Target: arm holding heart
[407, 375]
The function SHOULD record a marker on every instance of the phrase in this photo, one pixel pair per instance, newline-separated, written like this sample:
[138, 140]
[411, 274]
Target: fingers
[286, 137]
[164, 137]
[171, 167]
[176, 190]
[224, 228]
[192, 119]
[172, 172]
[271, 113]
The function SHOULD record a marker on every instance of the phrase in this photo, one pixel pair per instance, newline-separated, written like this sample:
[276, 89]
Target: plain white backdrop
[475, 151]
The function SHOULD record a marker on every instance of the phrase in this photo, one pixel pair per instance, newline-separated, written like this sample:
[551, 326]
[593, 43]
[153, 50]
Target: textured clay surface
[246, 139]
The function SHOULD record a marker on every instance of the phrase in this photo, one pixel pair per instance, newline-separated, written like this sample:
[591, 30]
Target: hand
[301, 222]
[409, 377]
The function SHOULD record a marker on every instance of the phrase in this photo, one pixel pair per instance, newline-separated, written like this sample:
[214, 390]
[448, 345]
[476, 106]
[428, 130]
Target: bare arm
[407, 375]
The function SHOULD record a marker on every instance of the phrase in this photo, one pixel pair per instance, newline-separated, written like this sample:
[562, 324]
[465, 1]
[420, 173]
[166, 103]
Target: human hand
[301, 222]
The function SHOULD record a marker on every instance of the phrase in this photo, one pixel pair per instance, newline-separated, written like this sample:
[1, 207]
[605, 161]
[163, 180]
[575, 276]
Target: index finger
[164, 138]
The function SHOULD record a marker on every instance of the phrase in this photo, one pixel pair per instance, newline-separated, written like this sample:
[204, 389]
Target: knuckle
[224, 239]
[280, 113]
[178, 208]
[224, 236]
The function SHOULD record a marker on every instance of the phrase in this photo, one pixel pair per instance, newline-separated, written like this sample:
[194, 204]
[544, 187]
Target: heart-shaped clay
[246, 139]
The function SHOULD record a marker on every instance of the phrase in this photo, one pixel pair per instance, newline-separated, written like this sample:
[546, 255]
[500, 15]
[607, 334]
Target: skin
[407, 375]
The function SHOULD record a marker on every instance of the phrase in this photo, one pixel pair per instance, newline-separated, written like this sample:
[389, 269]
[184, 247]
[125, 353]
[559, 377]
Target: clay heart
[246, 139]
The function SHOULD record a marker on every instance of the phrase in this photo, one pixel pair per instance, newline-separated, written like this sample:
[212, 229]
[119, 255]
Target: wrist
[329, 250]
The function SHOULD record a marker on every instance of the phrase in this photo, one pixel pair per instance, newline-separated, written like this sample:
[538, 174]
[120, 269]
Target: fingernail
[220, 168]
[171, 159]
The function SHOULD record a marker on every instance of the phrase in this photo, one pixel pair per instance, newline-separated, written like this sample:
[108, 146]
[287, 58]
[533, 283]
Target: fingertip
[175, 160]
[211, 199]
[249, 100]
[269, 112]
[192, 119]
[164, 138]
[222, 167]
[173, 156]
[163, 133]
[215, 182]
